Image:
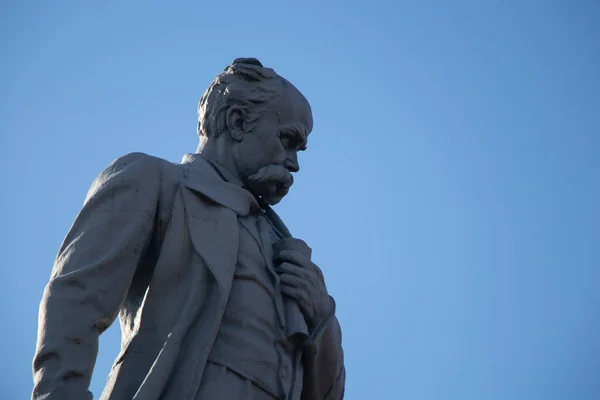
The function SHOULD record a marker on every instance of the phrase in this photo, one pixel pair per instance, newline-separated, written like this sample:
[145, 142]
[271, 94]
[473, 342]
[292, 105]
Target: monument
[215, 298]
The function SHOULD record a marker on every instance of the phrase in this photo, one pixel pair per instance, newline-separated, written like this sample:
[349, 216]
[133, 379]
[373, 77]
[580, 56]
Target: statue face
[267, 156]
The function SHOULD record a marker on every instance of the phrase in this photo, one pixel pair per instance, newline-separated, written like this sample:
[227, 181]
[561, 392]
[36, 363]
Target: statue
[216, 300]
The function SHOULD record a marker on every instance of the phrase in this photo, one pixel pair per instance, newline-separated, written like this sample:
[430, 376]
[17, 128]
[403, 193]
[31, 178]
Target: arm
[324, 372]
[92, 274]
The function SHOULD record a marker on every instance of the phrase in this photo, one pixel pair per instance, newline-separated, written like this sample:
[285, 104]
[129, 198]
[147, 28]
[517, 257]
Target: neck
[219, 150]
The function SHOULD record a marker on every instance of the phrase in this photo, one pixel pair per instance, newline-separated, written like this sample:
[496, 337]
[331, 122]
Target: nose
[291, 162]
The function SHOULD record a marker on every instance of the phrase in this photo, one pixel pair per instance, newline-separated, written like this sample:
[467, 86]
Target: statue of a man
[216, 300]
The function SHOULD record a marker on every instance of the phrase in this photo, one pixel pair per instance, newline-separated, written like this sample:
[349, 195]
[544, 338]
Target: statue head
[258, 121]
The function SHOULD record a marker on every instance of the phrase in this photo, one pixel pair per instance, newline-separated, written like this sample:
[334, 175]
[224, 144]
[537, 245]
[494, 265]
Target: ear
[235, 118]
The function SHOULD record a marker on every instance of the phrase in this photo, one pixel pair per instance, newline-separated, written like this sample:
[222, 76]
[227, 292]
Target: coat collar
[221, 187]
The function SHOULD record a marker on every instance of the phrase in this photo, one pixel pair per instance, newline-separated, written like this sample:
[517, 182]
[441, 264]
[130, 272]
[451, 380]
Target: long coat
[155, 243]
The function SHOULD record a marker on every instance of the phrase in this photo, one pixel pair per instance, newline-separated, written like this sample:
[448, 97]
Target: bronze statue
[215, 298]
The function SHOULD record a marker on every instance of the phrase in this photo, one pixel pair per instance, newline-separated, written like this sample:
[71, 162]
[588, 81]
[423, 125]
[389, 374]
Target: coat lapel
[212, 206]
[200, 177]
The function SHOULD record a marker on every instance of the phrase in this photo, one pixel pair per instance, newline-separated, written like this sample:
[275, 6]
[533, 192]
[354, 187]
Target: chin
[275, 196]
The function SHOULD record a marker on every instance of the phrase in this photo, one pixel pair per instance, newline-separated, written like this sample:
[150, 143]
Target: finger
[293, 256]
[300, 259]
[293, 269]
[319, 273]
[294, 293]
[293, 281]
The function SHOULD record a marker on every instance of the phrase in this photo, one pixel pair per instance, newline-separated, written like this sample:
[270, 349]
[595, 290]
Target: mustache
[273, 174]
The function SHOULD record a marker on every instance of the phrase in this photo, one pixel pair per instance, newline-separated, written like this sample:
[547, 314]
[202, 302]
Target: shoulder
[135, 170]
[135, 162]
[139, 165]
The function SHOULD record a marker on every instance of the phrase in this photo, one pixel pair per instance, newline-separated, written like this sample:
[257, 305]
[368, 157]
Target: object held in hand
[296, 328]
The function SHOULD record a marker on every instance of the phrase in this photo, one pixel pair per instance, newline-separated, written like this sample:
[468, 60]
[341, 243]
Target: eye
[292, 140]
[286, 141]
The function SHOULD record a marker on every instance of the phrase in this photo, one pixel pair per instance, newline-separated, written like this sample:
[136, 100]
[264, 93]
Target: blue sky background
[451, 190]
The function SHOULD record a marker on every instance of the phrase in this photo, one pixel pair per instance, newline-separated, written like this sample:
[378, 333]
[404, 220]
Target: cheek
[260, 153]
[277, 152]
[263, 150]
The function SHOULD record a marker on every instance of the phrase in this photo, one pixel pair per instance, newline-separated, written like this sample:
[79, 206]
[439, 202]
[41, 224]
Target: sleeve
[324, 371]
[92, 274]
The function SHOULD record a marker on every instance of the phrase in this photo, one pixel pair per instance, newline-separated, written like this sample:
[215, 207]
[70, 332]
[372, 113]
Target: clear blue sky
[451, 190]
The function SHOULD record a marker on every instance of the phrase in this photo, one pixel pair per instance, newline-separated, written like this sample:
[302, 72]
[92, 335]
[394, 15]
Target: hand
[302, 280]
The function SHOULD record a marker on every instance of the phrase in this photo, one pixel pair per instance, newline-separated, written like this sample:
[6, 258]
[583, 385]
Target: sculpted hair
[245, 83]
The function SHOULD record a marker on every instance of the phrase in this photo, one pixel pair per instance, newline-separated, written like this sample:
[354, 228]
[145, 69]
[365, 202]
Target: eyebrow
[299, 134]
